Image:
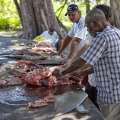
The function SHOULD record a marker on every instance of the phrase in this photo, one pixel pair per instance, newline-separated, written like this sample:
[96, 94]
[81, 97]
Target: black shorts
[92, 93]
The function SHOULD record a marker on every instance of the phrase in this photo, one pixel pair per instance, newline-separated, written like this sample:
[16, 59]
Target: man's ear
[96, 23]
[92, 24]
[79, 12]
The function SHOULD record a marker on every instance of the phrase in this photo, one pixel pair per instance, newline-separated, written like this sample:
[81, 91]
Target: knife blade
[69, 101]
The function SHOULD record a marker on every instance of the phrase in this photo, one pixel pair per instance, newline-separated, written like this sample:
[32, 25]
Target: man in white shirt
[77, 35]
[50, 36]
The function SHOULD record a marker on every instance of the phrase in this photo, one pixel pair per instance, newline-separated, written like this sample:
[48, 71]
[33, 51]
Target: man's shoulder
[109, 33]
[81, 23]
[116, 29]
[82, 19]
[55, 33]
[45, 32]
[110, 30]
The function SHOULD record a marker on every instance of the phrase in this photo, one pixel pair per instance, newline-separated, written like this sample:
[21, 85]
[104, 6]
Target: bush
[14, 23]
[4, 24]
[9, 24]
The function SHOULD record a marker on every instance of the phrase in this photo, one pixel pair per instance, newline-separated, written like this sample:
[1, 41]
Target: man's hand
[82, 79]
[57, 72]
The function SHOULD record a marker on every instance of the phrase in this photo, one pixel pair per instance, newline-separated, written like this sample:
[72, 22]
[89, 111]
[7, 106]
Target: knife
[69, 101]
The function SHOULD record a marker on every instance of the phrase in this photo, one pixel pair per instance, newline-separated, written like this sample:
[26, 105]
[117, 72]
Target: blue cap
[71, 8]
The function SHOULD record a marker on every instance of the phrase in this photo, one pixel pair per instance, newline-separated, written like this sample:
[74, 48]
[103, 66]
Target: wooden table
[93, 114]
[21, 112]
[47, 113]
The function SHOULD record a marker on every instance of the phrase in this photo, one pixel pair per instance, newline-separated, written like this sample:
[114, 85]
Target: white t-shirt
[80, 31]
[77, 27]
[53, 39]
[91, 80]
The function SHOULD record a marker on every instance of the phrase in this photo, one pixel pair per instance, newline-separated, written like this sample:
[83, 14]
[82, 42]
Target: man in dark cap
[77, 35]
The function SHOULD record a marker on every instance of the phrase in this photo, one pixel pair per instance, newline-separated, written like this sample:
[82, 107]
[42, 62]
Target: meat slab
[40, 76]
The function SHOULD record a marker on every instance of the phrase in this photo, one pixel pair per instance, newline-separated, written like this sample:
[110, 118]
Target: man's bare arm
[75, 65]
[86, 70]
[83, 49]
[64, 43]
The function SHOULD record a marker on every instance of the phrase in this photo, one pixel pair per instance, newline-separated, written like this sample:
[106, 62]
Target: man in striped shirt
[104, 56]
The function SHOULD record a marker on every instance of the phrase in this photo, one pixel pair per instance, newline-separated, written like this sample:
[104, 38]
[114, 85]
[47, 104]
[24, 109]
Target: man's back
[51, 38]
[106, 64]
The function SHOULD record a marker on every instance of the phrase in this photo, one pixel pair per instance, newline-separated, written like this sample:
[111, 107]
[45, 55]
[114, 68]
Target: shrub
[9, 24]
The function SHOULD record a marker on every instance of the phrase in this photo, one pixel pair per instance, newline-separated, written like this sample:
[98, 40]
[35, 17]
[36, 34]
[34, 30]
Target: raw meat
[34, 75]
[42, 102]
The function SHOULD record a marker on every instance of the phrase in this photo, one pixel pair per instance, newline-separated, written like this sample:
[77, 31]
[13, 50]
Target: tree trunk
[18, 9]
[87, 3]
[115, 5]
[37, 16]
[28, 19]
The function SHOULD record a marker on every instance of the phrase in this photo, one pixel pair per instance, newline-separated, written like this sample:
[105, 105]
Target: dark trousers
[92, 93]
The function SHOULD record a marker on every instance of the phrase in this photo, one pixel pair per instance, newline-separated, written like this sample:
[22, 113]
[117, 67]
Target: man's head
[95, 21]
[106, 10]
[51, 30]
[73, 13]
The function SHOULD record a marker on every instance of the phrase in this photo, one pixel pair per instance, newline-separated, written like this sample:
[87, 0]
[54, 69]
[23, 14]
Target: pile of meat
[41, 102]
[42, 48]
[34, 74]
[40, 76]
[3, 83]
[26, 52]
[23, 66]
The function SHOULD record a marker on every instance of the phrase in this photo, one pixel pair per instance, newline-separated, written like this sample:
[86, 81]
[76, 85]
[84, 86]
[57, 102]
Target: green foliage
[58, 6]
[9, 18]
[9, 24]
[4, 24]
[60, 11]
[14, 23]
